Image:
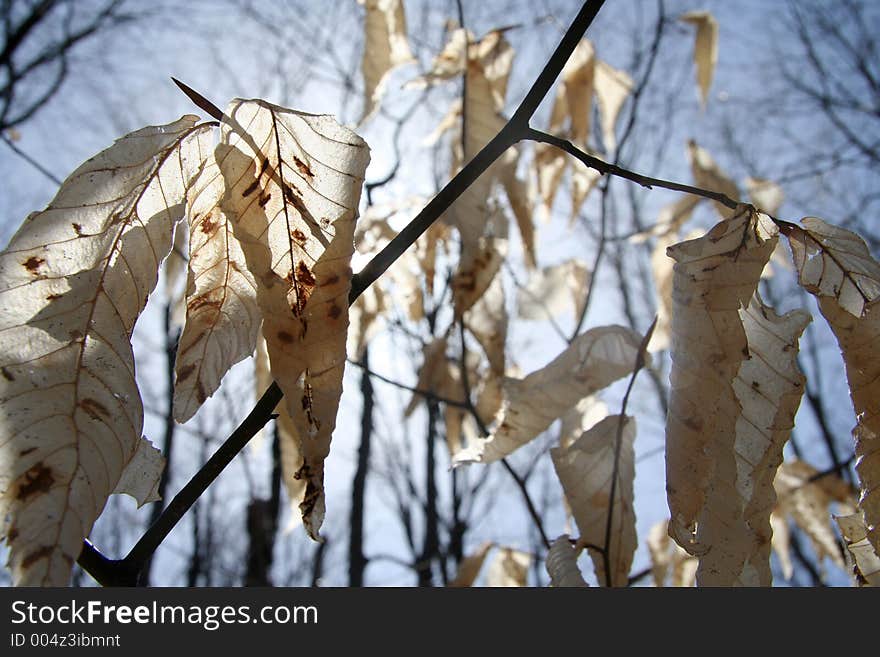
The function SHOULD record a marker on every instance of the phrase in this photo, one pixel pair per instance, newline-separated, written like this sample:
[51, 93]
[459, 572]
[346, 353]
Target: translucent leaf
[662, 270]
[293, 183]
[705, 49]
[520, 203]
[222, 317]
[866, 568]
[769, 387]
[73, 281]
[561, 563]
[479, 263]
[835, 265]
[593, 361]
[588, 412]
[583, 180]
[669, 561]
[671, 218]
[487, 321]
[586, 471]
[553, 290]
[288, 438]
[613, 86]
[431, 372]
[781, 542]
[808, 500]
[715, 276]
[385, 48]
[508, 568]
[141, 476]
[470, 566]
[364, 318]
[834, 262]
[766, 195]
[708, 175]
[574, 99]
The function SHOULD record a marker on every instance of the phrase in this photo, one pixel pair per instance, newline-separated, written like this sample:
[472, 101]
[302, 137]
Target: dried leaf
[561, 563]
[866, 567]
[781, 542]
[508, 568]
[520, 203]
[553, 290]
[385, 48]
[288, 438]
[662, 269]
[293, 184]
[705, 48]
[583, 181]
[431, 373]
[765, 194]
[808, 499]
[222, 317]
[479, 263]
[470, 566]
[574, 99]
[669, 560]
[671, 218]
[715, 276]
[708, 175]
[835, 265]
[364, 318]
[141, 476]
[613, 86]
[586, 470]
[834, 262]
[593, 361]
[587, 413]
[487, 321]
[73, 281]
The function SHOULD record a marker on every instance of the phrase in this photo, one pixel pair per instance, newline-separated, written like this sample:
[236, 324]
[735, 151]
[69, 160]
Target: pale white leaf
[487, 321]
[593, 361]
[222, 317]
[385, 48]
[470, 567]
[73, 282]
[765, 194]
[141, 476]
[508, 568]
[867, 563]
[553, 290]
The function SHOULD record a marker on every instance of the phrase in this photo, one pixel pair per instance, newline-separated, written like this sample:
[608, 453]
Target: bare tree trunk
[357, 562]
[262, 524]
[431, 544]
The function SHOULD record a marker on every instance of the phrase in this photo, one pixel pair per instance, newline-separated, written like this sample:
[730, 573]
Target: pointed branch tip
[199, 100]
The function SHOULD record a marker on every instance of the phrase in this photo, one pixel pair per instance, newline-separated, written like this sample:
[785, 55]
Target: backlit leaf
[705, 48]
[293, 183]
[385, 48]
[73, 281]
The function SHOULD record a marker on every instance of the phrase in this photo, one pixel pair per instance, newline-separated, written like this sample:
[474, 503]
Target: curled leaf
[866, 562]
[73, 282]
[561, 563]
[508, 568]
[385, 48]
[593, 361]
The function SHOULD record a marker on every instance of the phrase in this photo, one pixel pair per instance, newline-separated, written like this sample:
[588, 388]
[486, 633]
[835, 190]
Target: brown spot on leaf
[325, 222]
[186, 372]
[202, 301]
[263, 166]
[298, 236]
[53, 297]
[27, 451]
[304, 274]
[94, 408]
[334, 312]
[33, 263]
[264, 198]
[305, 401]
[38, 479]
[208, 225]
[78, 229]
[12, 535]
[7, 374]
[200, 393]
[333, 279]
[285, 337]
[303, 168]
[250, 189]
[36, 556]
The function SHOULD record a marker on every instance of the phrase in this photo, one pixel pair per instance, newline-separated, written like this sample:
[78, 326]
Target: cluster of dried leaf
[271, 214]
